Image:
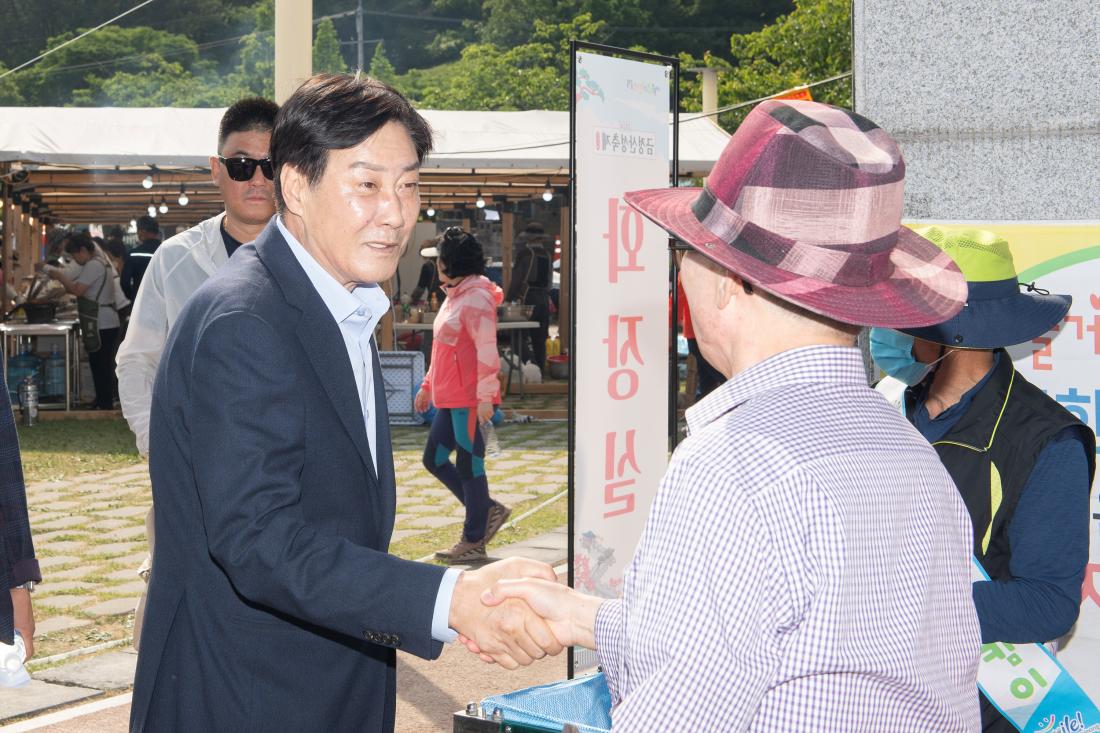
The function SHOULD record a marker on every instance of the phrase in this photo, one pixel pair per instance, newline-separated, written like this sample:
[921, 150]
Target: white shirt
[180, 265]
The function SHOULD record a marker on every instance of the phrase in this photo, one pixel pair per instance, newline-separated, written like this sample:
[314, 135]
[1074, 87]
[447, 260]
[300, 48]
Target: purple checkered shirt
[805, 567]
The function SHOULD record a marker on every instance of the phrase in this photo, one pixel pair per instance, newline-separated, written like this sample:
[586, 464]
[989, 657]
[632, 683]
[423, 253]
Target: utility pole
[359, 33]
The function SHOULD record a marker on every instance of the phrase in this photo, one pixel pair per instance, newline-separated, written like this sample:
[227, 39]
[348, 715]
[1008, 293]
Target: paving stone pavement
[90, 531]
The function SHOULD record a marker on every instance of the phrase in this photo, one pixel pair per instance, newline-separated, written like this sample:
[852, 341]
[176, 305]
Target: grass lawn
[54, 450]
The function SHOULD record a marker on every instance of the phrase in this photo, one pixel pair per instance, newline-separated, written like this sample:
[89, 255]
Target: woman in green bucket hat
[1022, 462]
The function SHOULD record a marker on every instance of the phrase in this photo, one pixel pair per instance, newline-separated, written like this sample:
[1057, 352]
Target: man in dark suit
[273, 603]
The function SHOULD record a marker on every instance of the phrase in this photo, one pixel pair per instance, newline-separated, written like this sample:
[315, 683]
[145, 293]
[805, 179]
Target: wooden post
[507, 236]
[5, 241]
[564, 306]
[385, 339]
[293, 45]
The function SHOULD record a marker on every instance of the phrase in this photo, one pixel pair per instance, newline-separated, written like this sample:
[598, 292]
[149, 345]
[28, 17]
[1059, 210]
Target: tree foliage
[448, 54]
[532, 75]
[812, 43]
[380, 67]
[326, 49]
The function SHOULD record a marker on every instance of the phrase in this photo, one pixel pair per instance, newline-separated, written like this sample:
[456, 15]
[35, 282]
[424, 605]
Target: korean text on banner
[621, 348]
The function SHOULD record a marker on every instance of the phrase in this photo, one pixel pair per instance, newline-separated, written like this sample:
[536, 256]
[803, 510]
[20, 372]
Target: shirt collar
[816, 365]
[340, 302]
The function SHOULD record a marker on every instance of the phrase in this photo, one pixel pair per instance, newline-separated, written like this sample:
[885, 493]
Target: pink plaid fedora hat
[806, 202]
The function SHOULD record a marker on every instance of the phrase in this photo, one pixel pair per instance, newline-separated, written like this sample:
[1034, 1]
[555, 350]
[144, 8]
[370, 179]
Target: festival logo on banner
[621, 286]
[1063, 257]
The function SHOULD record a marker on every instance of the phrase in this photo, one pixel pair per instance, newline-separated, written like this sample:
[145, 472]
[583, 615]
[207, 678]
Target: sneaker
[446, 554]
[498, 515]
[465, 553]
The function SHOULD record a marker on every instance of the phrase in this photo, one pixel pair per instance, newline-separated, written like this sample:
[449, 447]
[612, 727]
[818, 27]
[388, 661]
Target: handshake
[514, 611]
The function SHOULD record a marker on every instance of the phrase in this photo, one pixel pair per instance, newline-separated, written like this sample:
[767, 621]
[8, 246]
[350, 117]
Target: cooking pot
[40, 312]
[559, 366]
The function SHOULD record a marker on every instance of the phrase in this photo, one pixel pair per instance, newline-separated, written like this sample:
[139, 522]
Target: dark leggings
[102, 365]
[455, 429]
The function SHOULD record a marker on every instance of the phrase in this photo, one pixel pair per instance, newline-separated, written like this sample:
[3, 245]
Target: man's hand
[24, 617]
[509, 634]
[570, 614]
[423, 400]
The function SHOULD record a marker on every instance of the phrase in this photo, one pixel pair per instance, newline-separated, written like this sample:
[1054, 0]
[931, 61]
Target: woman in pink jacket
[462, 384]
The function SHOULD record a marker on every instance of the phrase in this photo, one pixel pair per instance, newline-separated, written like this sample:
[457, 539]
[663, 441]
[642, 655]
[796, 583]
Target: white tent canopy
[110, 136]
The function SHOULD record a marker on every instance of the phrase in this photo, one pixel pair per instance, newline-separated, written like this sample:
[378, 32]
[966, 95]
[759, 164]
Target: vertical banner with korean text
[1064, 257]
[620, 351]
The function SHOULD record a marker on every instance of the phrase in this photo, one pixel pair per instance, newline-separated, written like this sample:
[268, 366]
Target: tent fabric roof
[110, 136]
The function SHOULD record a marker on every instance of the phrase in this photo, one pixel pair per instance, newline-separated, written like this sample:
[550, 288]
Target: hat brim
[998, 322]
[925, 288]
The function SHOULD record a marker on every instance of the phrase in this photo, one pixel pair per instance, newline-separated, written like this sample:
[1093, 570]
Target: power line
[683, 118]
[72, 40]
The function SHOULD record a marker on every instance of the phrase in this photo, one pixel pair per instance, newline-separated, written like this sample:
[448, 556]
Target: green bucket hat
[996, 313]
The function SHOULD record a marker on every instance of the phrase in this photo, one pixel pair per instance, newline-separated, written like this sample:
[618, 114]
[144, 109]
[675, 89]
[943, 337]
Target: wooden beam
[507, 236]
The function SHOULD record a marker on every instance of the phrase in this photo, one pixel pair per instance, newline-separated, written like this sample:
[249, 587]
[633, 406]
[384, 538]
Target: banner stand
[626, 145]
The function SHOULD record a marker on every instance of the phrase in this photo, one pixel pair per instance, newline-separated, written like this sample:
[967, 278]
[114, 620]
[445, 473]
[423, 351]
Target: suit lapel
[320, 337]
[387, 488]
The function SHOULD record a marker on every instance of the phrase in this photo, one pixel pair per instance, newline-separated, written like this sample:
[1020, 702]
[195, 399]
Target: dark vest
[992, 449]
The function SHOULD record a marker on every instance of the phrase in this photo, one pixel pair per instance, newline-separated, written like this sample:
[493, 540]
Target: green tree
[812, 43]
[529, 76]
[255, 70]
[75, 72]
[380, 67]
[9, 90]
[326, 49]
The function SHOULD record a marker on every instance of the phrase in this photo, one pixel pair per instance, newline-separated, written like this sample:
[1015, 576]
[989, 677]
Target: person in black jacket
[17, 562]
[530, 285]
[134, 268]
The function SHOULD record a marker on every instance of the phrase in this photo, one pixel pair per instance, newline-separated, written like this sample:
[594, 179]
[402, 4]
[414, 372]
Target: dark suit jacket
[17, 562]
[273, 604]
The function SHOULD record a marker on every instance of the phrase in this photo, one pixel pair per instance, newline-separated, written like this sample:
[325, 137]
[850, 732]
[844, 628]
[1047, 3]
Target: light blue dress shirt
[357, 313]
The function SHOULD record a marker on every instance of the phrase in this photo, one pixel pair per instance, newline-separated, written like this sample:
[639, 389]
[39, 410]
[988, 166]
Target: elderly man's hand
[509, 634]
[570, 614]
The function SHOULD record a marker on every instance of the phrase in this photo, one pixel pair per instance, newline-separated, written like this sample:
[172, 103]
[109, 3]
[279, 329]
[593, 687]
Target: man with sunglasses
[184, 262]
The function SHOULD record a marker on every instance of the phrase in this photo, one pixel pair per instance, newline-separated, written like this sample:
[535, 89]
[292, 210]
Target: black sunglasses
[241, 168]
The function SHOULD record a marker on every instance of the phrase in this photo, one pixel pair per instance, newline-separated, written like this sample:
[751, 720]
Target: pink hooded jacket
[465, 362]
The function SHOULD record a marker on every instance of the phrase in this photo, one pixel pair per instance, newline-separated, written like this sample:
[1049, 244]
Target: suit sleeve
[140, 352]
[248, 438]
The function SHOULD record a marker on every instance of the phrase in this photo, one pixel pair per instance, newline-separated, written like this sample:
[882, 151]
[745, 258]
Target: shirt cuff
[442, 613]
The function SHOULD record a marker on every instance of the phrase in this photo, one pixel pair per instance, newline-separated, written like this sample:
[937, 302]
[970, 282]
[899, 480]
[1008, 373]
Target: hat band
[861, 264]
[993, 289]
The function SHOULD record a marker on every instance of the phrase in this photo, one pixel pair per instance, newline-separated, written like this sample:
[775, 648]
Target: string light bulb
[548, 194]
[431, 211]
[183, 196]
[163, 206]
[480, 203]
[147, 182]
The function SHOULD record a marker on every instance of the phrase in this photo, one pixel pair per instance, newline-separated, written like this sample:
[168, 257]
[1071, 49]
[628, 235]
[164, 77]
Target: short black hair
[247, 115]
[460, 254]
[78, 241]
[146, 223]
[114, 247]
[336, 112]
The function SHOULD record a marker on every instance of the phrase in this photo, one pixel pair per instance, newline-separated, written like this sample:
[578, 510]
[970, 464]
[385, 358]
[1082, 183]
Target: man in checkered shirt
[806, 561]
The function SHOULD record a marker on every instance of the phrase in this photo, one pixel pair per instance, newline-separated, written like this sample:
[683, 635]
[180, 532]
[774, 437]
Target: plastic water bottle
[12, 656]
[489, 437]
[54, 383]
